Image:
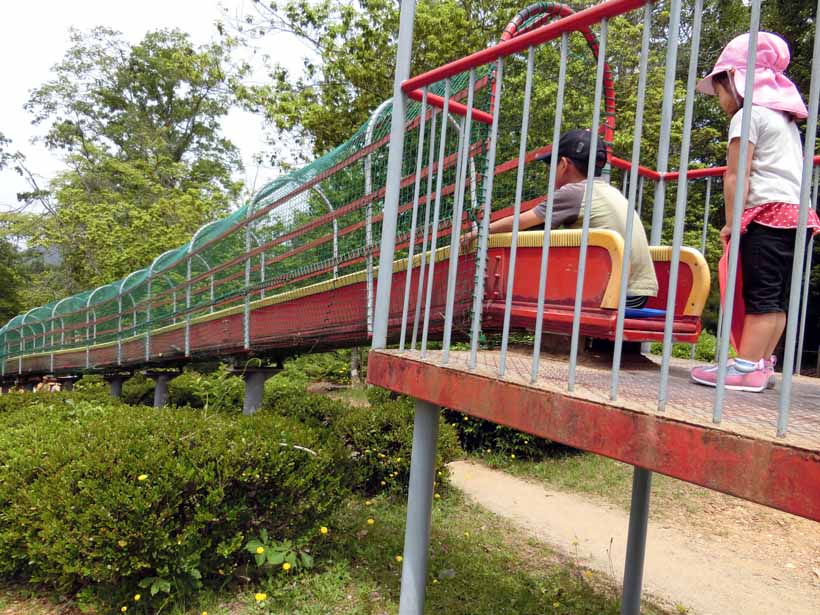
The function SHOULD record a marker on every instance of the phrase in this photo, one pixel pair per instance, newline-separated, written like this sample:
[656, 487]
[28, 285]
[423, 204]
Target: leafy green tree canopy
[139, 128]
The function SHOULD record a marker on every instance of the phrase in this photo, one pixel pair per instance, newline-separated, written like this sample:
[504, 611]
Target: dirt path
[705, 566]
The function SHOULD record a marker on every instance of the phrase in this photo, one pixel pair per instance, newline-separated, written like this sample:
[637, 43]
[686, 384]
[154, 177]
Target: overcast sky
[34, 37]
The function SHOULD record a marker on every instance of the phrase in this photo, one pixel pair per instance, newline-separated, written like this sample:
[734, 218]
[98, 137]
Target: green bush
[478, 435]
[705, 349]
[324, 366]
[378, 438]
[138, 390]
[219, 390]
[111, 500]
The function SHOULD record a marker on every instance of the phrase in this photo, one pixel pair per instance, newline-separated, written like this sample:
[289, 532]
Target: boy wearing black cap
[608, 210]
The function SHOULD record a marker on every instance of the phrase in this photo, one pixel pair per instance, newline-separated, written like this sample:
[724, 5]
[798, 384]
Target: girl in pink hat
[771, 204]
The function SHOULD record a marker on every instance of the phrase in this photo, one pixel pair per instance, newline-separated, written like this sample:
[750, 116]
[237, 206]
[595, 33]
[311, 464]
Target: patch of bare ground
[706, 552]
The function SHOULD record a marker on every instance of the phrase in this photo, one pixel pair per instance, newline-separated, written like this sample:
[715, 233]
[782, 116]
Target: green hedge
[101, 498]
[378, 438]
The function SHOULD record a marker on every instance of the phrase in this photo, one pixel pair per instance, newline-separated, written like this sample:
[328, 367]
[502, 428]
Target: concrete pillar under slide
[5, 388]
[115, 383]
[29, 385]
[67, 382]
[255, 378]
[161, 380]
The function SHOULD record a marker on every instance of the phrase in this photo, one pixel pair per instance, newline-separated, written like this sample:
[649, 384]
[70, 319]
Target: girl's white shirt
[777, 163]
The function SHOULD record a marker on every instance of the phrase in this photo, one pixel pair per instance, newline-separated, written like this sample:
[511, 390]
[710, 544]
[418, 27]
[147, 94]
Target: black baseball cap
[575, 145]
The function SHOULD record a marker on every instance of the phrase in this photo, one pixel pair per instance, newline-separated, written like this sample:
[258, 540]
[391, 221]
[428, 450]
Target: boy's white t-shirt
[777, 162]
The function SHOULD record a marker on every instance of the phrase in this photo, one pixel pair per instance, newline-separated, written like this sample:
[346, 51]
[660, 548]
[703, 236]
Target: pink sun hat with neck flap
[772, 88]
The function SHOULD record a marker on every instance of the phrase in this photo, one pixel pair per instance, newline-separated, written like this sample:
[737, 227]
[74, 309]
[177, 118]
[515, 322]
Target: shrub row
[101, 498]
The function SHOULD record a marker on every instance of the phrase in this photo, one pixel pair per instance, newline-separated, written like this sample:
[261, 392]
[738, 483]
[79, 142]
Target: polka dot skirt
[778, 215]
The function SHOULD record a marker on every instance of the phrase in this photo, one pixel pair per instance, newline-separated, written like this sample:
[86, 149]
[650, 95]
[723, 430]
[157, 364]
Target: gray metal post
[737, 208]
[29, 386]
[680, 207]
[636, 542]
[395, 154]
[255, 379]
[161, 389]
[784, 404]
[419, 509]
[666, 120]
[115, 385]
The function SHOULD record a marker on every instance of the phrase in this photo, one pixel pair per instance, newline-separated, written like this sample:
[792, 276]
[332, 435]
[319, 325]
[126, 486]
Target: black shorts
[766, 255]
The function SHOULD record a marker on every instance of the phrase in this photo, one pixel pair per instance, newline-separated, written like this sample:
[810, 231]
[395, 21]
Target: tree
[139, 127]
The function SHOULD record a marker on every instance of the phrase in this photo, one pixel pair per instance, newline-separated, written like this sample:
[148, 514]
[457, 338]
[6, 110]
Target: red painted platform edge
[769, 473]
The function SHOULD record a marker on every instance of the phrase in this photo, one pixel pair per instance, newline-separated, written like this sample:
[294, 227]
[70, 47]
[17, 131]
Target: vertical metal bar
[582, 255]
[431, 149]
[545, 248]
[640, 194]
[636, 542]
[704, 233]
[455, 229]
[800, 240]
[393, 187]
[419, 509]
[119, 329]
[188, 307]
[519, 187]
[436, 210]
[666, 120]
[801, 328]
[408, 278]
[630, 214]
[625, 183]
[212, 293]
[262, 275]
[483, 237]
[737, 207]
[246, 313]
[148, 319]
[680, 207]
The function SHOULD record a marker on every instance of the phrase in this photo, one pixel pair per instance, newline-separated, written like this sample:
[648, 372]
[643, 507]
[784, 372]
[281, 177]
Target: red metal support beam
[767, 472]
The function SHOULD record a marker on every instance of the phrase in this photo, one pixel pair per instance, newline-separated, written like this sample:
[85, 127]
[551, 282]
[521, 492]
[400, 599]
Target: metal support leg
[419, 509]
[161, 390]
[29, 386]
[115, 384]
[255, 379]
[636, 542]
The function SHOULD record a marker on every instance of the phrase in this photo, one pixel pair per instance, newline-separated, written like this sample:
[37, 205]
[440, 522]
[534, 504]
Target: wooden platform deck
[740, 456]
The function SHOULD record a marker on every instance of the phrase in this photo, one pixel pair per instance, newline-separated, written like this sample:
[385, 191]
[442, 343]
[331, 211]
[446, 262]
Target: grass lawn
[479, 565]
[605, 478]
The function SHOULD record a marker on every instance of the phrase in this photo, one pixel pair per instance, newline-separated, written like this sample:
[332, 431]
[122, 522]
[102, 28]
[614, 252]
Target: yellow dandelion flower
[142, 477]
[204, 612]
[124, 609]
[323, 530]
[512, 456]
[435, 581]
[399, 558]
[286, 566]
[260, 550]
[439, 472]
[260, 597]
[383, 483]
[437, 496]
[398, 459]
[466, 418]
[368, 503]
[467, 534]
[555, 605]
[371, 521]
[122, 543]
[137, 597]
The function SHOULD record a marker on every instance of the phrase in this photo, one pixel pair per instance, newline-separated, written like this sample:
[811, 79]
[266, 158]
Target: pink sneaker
[754, 381]
[769, 365]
